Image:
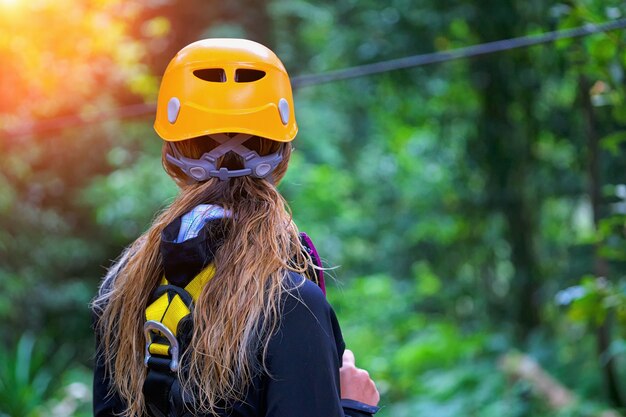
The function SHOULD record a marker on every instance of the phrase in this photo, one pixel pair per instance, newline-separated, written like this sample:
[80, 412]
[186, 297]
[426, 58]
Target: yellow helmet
[218, 86]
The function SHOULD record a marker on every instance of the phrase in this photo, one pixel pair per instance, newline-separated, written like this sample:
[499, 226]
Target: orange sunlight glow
[9, 3]
[62, 57]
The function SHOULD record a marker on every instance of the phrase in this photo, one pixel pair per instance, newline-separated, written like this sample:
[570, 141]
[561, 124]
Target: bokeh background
[475, 209]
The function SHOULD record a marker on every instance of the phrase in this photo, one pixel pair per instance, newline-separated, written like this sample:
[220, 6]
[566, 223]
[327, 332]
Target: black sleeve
[304, 359]
[105, 404]
[354, 408]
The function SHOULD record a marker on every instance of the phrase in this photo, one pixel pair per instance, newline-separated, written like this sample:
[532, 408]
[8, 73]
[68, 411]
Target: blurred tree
[507, 131]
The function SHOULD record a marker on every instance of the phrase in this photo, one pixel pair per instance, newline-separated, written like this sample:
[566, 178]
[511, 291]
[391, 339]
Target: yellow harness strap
[169, 309]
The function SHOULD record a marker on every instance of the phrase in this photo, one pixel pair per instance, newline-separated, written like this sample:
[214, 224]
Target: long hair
[237, 311]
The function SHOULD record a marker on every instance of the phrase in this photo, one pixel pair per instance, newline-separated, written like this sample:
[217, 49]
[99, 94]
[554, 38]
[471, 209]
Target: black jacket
[303, 357]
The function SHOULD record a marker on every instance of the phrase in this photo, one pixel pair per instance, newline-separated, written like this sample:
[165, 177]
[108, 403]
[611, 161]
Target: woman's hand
[356, 383]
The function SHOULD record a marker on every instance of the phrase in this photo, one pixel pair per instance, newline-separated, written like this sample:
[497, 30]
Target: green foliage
[596, 299]
[593, 300]
[457, 199]
[400, 344]
[29, 375]
[74, 399]
[426, 364]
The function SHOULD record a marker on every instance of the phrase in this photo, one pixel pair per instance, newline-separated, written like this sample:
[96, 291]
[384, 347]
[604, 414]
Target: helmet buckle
[198, 173]
[262, 170]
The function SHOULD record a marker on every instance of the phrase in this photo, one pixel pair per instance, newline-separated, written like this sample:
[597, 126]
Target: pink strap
[308, 244]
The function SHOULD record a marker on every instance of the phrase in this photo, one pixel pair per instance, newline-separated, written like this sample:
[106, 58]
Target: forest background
[475, 208]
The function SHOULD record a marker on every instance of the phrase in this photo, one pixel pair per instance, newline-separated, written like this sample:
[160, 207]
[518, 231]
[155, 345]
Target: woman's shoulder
[308, 323]
[305, 302]
[304, 290]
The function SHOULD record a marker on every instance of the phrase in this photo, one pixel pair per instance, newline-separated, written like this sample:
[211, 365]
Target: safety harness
[168, 330]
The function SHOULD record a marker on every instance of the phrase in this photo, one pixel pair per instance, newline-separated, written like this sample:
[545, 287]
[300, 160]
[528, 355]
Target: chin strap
[204, 168]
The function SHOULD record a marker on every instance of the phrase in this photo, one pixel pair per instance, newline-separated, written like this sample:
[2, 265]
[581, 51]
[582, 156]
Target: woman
[213, 310]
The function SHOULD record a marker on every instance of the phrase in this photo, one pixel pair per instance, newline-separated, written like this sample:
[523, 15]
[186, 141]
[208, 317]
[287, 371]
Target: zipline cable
[461, 53]
[144, 109]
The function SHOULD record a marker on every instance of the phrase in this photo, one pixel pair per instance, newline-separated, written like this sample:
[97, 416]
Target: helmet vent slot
[244, 75]
[214, 75]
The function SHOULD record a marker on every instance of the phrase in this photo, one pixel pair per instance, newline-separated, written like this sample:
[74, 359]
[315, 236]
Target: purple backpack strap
[310, 248]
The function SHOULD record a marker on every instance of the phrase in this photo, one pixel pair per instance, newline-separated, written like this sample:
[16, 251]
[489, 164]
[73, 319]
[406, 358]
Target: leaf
[613, 141]
[24, 356]
[602, 48]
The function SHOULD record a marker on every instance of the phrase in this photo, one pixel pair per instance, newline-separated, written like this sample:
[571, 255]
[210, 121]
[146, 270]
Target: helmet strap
[205, 168]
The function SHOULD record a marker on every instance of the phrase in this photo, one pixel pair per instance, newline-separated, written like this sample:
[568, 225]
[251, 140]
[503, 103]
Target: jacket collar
[182, 261]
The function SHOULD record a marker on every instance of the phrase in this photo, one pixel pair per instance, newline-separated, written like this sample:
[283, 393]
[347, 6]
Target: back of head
[225, 112]
[220, 97]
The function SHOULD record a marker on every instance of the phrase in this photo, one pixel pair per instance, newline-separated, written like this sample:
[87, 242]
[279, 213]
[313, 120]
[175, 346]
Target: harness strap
[168, 329]
[163, 393]
[172, 305]
[157, 388]
[316, 274]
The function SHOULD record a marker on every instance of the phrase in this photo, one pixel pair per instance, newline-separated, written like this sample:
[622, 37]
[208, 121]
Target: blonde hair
[237, 311]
